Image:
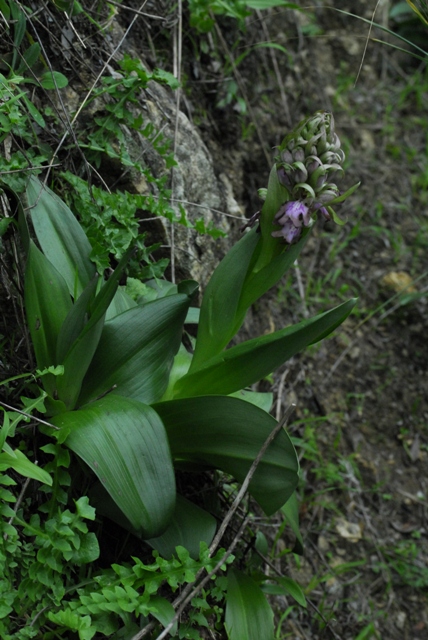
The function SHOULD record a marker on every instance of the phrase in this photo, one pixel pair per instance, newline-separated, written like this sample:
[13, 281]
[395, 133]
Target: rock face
[195, 186]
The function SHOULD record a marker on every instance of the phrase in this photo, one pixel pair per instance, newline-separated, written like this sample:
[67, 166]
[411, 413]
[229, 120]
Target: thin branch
[203, 582]
[241, 493]
[28, 415]
[190, 591]
[366, 44]
[18, 502]
[138, 12]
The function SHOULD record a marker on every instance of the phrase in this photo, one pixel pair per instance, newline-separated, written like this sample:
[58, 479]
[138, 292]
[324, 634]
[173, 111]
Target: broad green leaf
[61, 237]
[120, 303]
[180, 367]
[290, 511]
[75, 321]
[258, 283]
[248, 614]
[76, 365]
[285, 586]
[136, 351]
[254, 265]
[270, 247]
[22, 465]
[190, 525]
[262, 400]
[220, 301]
[47, 303]
[193, 316]
[81, 351]
[227, 433]
[248, 362]
[162, 610]
[124, 443]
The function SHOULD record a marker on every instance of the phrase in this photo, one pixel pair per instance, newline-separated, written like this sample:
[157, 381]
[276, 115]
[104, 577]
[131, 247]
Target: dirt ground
[362, 396]
[361, 422]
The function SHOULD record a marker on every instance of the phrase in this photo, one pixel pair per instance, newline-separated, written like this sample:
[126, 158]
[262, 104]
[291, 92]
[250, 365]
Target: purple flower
[291, 217]
[289, 232]
[295, 211]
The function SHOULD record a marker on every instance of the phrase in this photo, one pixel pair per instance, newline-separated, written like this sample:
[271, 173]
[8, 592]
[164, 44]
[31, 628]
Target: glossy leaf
[162, 610]
[75, 321]
[180, 367]
[227, 433]
[248, 362]
[136, 351]
[125, 444]
[270, 247]
[273, 258]
[47, 303]
[88, 316]
[258, 283]
[220, 301]
[262, 400]
[60, 236]
[248, 614]
[120, 303]
[254, 265]
[190, 525]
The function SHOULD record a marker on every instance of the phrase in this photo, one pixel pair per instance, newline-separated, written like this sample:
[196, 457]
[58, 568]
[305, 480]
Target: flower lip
[298, 213]
[288, 231]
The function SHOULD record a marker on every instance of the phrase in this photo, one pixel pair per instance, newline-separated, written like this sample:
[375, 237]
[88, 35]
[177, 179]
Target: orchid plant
[129, 399]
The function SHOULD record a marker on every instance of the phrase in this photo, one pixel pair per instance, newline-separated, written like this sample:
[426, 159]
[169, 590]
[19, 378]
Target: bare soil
[362, 395]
